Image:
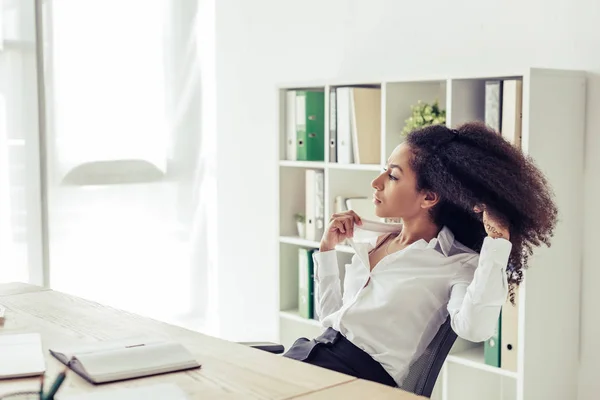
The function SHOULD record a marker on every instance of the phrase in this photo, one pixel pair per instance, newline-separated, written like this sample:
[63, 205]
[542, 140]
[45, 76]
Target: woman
[470, 204]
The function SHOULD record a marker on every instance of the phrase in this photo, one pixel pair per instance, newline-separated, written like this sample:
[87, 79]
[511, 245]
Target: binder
[509, 333]
[492, 347]
[305, 283]
[345, 153]
[365, 125]
[290, 126]
[493, 105]
[512, 114]
[332, 126]
[314, 201]
[310, 125]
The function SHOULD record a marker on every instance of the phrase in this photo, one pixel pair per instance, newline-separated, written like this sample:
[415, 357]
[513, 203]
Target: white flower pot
[301, 229]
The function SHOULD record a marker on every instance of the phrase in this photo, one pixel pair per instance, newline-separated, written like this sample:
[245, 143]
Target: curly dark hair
[472, 166]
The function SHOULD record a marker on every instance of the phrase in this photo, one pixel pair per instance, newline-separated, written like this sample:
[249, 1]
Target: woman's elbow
[473, 333]
[475, 336]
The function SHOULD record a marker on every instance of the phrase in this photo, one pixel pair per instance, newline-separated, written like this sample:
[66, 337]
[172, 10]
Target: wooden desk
[229, 370]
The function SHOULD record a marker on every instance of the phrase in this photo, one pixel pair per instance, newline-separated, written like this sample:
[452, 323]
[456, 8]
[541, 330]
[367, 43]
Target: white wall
[264, 42]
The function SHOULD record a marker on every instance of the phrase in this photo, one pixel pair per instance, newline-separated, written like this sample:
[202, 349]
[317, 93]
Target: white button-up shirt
[410, 294]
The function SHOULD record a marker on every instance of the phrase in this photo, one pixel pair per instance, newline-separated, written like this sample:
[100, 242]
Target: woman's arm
[479, 291]
[327, 283]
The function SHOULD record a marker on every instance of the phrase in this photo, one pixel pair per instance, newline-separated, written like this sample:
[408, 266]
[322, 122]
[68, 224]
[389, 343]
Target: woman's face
[396, 194]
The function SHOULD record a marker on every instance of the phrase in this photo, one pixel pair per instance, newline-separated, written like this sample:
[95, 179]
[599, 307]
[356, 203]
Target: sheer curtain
[129, 180]
[20, 206]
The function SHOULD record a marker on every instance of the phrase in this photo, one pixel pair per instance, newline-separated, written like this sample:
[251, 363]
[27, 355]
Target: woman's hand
[340, 227]
[493, 226]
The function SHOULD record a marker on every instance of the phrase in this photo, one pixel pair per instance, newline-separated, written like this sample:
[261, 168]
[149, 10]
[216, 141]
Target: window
[124, 159]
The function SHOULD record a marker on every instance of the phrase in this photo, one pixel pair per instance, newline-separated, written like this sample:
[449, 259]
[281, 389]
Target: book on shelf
[358, 125]
[504, 108]
[305, 125]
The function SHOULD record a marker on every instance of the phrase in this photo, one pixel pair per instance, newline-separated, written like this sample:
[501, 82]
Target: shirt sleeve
[327, 283]
[479, 290]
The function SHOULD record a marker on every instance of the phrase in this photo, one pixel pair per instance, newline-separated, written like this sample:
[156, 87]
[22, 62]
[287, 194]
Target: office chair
[422, 374]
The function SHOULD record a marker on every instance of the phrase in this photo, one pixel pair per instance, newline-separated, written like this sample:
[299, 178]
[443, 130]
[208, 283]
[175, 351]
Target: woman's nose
[376, 183]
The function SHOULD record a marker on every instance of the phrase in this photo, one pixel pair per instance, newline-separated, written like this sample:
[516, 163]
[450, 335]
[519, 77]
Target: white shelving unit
[553, 134]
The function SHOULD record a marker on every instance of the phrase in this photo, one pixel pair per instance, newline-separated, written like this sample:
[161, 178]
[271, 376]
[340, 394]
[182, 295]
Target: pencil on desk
[56, 385]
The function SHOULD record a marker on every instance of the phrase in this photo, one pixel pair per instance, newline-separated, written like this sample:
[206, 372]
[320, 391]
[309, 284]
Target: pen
[42, 388]
[56, 385]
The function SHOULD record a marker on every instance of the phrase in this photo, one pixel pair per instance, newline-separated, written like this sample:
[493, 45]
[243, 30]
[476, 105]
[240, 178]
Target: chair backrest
[423, 373]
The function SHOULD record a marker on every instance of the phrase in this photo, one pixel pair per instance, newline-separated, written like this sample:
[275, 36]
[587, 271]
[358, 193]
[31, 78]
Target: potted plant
[424, 114]
[300, 224]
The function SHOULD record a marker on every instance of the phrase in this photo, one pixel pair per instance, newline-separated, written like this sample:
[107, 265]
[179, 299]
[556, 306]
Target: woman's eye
[392, 177]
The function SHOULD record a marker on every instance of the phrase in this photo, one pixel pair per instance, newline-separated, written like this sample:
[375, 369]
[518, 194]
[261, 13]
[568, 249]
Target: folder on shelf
[345, 153]
[493, 105]
[305, 283]
[365, 125]
[493, 346]
[310, 125]
[512, 104]
[290, 126]
[509, 333]
[314, 201]
[332, 126]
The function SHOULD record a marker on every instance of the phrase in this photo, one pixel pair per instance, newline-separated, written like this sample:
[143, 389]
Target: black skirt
[333, 351]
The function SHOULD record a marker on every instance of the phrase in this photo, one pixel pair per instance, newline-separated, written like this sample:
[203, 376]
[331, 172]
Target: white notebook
[21, 355]
[160, 391]
[125, 359]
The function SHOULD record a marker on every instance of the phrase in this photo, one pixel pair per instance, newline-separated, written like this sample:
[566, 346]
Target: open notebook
[117, 360]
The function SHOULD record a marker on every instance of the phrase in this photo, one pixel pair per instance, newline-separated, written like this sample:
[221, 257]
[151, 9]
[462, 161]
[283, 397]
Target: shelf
[321, 164]
[295, 316]
[356, 167]
[301, 164]
[474, 358]
[309, 243]
[298, 241]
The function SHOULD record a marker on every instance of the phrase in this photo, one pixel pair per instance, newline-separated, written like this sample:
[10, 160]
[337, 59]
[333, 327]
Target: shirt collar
[444, 241]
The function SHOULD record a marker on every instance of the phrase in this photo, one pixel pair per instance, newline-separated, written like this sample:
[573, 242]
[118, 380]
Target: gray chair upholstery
[424, 372]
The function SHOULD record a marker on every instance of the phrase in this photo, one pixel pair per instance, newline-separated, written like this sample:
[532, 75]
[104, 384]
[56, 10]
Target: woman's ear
[430, 199]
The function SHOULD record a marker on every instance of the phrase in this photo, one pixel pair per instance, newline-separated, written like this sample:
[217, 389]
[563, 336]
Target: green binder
[492, 346]
[305, 283]
[310, 125]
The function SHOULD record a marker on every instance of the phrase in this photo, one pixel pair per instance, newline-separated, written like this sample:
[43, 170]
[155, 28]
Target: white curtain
[129, 179]
[20, 206]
